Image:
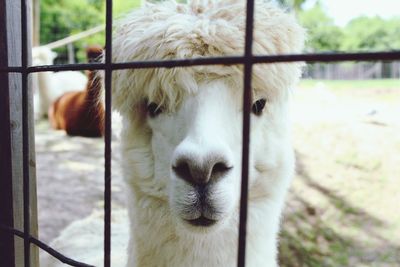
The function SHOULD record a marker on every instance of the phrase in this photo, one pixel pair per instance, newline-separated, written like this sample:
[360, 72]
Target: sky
[342, 11]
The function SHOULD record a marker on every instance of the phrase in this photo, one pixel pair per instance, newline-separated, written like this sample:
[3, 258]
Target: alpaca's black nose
[201, 171]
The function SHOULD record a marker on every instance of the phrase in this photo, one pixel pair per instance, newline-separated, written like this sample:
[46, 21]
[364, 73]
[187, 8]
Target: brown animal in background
[80, 112]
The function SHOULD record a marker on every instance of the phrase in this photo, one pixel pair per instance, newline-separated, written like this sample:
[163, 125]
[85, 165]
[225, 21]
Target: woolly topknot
[196, 30]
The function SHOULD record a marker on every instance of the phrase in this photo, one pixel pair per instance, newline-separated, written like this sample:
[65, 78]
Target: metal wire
[247, 92]
[45, 247]
[107, 137]
[25, 131]
[309, 58]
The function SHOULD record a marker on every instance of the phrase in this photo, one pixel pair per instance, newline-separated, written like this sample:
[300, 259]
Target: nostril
[219, 169]
[182, 170]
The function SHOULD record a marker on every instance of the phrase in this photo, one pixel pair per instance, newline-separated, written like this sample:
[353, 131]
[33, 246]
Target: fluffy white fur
[83, 241]
[202, 117]
[48, 86]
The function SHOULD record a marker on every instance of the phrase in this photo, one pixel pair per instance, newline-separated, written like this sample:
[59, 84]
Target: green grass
[353, 84]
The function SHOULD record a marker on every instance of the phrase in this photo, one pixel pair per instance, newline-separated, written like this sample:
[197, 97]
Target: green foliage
[372, 33]
[121, 7]
[323, 35]
[97, 3]
[360, 34]
[62, 18]
[295, 4]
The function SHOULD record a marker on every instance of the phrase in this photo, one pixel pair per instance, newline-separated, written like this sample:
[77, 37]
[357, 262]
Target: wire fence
[247, 60]
[353, 71]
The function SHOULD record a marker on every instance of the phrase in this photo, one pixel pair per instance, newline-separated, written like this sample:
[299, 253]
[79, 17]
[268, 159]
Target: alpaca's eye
[258, 106]
[153, 109]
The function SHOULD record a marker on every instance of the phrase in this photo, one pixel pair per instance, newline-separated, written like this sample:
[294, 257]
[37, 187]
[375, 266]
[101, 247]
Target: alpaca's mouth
[201, 221]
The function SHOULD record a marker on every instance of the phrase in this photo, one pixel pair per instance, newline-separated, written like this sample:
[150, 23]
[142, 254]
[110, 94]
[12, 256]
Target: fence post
[71, 53]
[11, 137]
[7, 255]
[36, 22]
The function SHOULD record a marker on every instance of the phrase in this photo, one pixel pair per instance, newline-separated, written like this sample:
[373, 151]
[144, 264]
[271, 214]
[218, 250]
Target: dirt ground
[343, 208]
[70, 178]
[344, 205]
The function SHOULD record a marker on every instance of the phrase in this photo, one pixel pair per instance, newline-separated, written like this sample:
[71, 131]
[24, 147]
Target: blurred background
[343, 207]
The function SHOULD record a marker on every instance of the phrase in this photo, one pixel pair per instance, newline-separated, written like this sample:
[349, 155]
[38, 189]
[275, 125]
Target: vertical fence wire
[247, 95]
[25, 131]
[107, 136]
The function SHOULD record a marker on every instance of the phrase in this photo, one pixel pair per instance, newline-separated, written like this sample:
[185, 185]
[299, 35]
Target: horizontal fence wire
[45, 247]
[234, 60]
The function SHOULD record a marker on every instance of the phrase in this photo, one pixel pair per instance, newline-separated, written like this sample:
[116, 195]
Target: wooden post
[71, 53]
[6, 204]
[36, 23]
[11, 121]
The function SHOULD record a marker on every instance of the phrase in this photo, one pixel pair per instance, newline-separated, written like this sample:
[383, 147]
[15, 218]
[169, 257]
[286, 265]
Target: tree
[62, 18]
[372, 33]
[323, 35]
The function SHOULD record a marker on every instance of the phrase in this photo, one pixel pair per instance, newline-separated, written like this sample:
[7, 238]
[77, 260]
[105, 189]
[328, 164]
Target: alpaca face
[182, 130]
[197, 154]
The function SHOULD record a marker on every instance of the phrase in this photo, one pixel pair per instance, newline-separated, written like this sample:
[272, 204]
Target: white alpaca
[48, 86]
[181, 138]
[182, 131]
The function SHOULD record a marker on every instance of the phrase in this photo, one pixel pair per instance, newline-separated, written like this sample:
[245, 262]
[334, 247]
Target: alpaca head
[94, 52]
[182, 136]
[43, 56]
